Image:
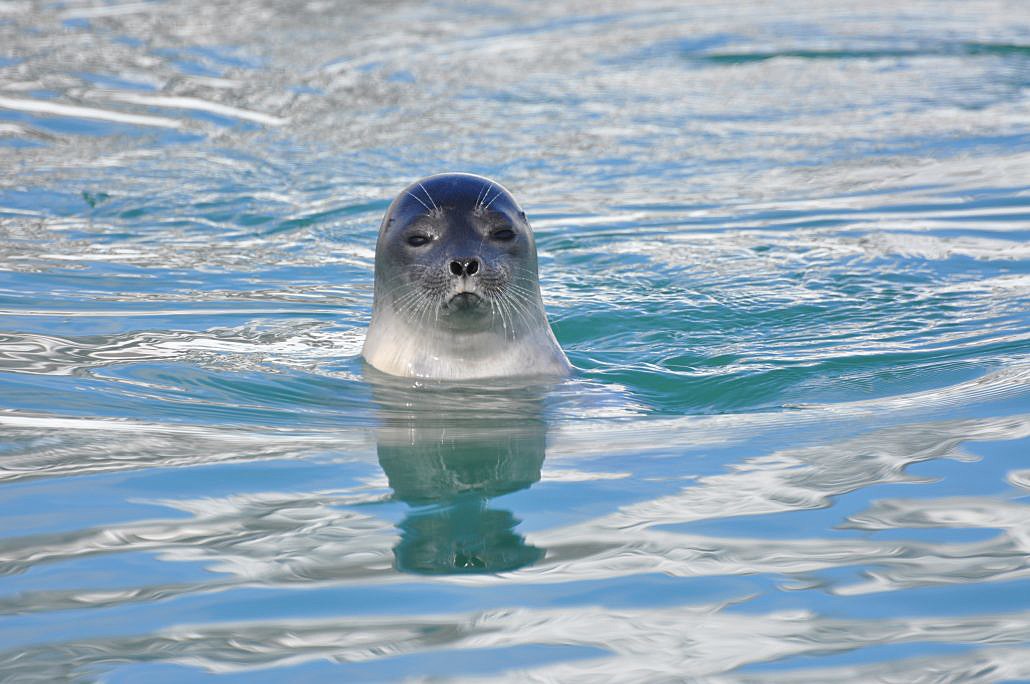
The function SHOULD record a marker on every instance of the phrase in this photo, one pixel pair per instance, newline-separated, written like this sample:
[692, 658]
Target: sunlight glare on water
[784, 244]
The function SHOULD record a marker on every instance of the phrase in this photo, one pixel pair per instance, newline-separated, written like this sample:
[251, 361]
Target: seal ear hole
[417, 240]
[504, 234]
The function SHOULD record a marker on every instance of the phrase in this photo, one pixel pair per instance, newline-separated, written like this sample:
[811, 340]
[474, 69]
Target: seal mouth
[464, 301]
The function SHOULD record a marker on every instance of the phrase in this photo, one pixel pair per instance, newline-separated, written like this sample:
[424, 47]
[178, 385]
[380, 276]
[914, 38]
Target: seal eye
[504, 234]
[417, 240]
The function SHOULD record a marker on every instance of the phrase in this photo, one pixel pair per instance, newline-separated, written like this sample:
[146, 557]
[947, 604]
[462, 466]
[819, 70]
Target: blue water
[784, 244]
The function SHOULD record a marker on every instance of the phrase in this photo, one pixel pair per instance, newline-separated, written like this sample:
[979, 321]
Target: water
[785, 244]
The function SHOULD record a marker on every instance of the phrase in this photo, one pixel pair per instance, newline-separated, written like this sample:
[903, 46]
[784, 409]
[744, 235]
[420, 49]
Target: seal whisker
[506, 316]
[526, 303]
[397, 280]
[432, 306]
[436, 209]
[405, 295]
[428, 210]
[524, 299]
[525, 271]
[482, 194]
[521, 291]
[511, 319]
[423, 310]
[411, 305]
[520, 288]
[493, 309]
[517, 307]
[519, 310]
[412, 302]
[511, 331]
[499, 192]
[404, 301]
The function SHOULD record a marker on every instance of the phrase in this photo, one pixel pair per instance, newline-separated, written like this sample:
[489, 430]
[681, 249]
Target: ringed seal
[456, 291]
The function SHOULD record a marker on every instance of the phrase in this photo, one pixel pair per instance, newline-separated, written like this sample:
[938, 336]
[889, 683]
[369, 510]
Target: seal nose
[464, 267]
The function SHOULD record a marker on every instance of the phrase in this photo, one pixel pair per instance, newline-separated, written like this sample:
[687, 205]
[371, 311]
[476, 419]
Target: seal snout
[467, 297]
[464, 267]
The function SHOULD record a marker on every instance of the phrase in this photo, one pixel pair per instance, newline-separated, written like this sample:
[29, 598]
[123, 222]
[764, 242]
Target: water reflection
[448, 452]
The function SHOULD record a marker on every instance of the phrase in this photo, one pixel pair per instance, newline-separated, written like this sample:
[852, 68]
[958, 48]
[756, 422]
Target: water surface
[784, 244]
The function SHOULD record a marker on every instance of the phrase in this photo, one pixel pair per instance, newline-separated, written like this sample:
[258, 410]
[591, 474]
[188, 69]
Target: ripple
[298, 344]
[197, 104]
[75, 111]
[695, 641]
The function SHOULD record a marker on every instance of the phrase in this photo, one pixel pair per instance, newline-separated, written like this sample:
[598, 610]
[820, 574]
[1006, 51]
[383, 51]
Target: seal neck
[395, 347]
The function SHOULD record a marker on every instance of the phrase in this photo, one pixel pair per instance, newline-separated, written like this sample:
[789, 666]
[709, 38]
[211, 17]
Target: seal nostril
[456, 268]
[472, 267]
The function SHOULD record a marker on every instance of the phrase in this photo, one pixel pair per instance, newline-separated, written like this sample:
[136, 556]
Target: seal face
[456, 290]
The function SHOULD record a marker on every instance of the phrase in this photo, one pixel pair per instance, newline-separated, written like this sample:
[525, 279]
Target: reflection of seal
[448, 455]
[450, 477]
[456, 291]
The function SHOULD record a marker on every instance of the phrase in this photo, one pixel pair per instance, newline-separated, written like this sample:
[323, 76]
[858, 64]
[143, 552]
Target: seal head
[456, 289]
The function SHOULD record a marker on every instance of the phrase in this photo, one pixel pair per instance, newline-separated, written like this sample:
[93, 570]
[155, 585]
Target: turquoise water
[784, 244]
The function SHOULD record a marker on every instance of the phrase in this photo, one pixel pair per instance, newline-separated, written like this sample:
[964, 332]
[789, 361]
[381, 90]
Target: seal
[456, 290]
